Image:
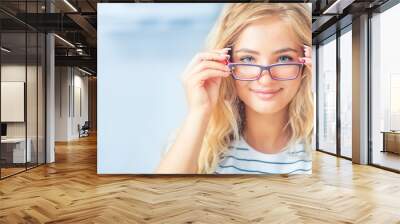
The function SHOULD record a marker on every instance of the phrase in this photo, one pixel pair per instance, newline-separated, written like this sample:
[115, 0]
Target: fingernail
[224, 55]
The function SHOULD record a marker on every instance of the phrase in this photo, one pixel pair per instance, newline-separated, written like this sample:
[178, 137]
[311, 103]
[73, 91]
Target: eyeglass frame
[263, 68]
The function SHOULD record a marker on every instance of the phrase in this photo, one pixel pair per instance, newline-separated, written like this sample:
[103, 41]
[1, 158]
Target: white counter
[19, 149]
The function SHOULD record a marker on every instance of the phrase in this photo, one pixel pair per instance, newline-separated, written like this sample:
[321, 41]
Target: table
[391, 141]
[18, 151]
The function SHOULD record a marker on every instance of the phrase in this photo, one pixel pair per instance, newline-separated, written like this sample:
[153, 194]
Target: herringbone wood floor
[70, 191]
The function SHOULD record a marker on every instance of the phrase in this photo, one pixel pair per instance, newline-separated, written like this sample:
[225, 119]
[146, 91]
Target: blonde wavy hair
[226, 122]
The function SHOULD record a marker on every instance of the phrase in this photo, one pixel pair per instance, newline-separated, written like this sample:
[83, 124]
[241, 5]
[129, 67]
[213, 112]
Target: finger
[218, 55]
[211, 56]
[213, 81]
[307, 51]
[223, 50]
[307, 61]
[208, 74]
[210, 65]
[206, 56]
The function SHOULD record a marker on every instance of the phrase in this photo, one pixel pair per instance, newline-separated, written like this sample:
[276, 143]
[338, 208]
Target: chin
[266, 108]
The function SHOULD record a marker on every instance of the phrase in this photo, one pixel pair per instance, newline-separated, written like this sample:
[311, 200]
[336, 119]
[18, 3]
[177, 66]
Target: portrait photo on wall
[196, 88]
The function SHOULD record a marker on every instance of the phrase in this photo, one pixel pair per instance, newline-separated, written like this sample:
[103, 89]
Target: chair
[84, 130]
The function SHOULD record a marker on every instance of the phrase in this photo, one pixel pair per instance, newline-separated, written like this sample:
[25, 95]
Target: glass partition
[22, 88]
[41, 107]
[346, 93]
[31, 100]
[327, 95]
[14, 153]
[385, 89]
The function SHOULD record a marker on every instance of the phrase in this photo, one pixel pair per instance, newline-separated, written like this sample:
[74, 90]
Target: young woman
[250, 107]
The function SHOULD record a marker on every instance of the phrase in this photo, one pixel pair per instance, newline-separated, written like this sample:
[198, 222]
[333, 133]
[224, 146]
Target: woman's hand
[307, 57]
[202, 79]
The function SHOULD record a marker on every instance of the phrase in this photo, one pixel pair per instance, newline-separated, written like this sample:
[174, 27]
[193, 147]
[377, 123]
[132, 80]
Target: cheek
[290, 89]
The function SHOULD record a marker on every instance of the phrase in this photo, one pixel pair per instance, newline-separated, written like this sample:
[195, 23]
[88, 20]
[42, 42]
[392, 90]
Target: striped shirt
[240, 158]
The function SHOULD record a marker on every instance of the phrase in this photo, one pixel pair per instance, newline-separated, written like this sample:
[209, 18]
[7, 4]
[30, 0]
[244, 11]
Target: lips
[266, 94]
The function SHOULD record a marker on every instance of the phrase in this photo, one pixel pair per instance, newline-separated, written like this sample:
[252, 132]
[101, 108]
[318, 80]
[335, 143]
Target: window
[385, 89]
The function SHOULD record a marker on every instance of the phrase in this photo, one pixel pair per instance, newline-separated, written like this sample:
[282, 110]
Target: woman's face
[264, 42]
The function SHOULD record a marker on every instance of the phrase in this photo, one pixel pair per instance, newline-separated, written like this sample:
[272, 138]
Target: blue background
[142, 52]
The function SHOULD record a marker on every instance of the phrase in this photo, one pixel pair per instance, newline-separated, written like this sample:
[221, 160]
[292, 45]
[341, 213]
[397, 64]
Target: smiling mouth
[266, 94]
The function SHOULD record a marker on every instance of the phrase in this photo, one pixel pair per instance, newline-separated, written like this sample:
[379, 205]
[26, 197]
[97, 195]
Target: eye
[247, 59]
[284, 59]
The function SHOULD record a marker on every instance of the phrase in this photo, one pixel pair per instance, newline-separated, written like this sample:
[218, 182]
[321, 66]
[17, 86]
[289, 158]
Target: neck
[264, 132]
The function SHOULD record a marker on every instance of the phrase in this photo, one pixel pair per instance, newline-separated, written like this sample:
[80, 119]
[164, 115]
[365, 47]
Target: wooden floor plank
[70, 191]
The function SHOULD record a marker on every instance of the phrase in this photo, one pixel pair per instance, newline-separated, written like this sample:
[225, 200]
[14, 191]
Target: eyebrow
[285, 50]
[247, 51]
[275, 52]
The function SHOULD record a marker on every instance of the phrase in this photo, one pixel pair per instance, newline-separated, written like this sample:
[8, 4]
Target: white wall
[67, 116]
[61, 103]
[80, 82]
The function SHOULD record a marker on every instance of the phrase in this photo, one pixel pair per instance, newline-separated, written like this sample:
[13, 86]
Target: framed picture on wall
[205, 88]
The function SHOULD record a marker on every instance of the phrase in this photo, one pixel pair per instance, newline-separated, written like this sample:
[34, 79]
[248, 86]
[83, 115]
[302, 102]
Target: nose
[265, 78]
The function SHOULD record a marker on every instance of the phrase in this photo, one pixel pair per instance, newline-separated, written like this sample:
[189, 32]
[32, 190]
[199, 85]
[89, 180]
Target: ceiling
[76, 22]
